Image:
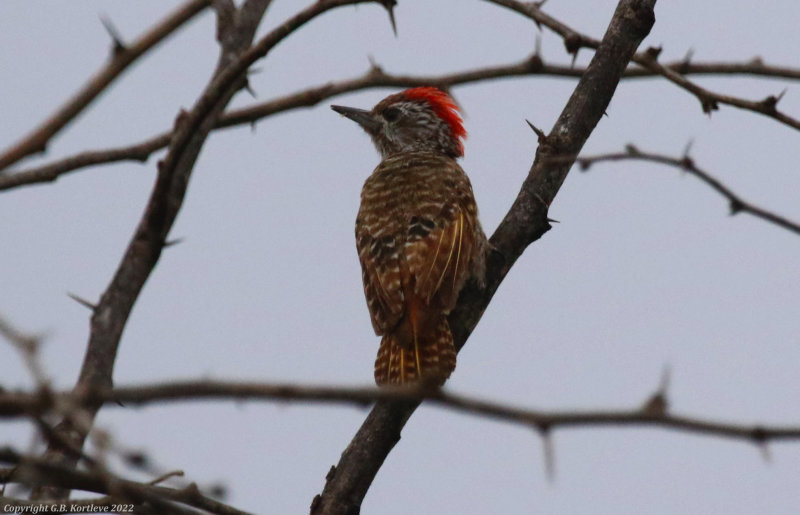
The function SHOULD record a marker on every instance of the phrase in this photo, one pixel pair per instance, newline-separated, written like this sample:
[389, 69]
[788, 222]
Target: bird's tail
[430, 356]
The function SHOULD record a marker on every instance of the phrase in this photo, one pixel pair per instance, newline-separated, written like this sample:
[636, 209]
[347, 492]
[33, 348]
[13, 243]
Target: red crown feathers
[444, 107]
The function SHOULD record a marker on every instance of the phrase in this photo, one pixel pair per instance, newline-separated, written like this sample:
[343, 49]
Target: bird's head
[415, 120]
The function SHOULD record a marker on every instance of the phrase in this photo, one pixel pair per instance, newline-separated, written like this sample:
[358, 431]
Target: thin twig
[28, 346]
[687, 164]
[37, 140]
[29, 469]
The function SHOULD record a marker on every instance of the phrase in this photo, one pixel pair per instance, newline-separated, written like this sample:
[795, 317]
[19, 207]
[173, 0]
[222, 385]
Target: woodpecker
[417, 232]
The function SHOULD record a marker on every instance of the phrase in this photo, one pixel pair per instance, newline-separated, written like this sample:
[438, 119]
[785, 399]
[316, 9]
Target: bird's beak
[364, 118]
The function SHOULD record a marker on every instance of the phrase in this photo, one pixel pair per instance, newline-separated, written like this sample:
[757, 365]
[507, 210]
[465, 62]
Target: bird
[418, 236]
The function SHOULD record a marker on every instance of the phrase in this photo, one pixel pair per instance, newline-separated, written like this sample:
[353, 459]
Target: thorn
[605, 113]
[83, 302]
[771, 102]
[688, 148]
[573, 42]
[537, 46]
[249, 89]
[548, 451]
[666, 376]
[252, 126]
[764, 448]
[536, 6]
[374, 68]
[389, 5]
[535, 63]
[631, 150]
[737, 206]
[170, 243]
[687, 61]
[709, 104]
[118, 46]
[759, 437]
[657, 404]
[539, 134]
[654, 52]
[553, 221]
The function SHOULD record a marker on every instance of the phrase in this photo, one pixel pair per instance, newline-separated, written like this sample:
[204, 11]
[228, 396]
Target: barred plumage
[417, 233]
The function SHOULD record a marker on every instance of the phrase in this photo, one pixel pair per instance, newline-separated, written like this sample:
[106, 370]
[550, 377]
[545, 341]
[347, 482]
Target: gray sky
[645, 270]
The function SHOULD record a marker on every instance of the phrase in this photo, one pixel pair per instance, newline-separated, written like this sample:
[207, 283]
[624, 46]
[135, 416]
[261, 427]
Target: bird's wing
[438, 251]
[380, 270]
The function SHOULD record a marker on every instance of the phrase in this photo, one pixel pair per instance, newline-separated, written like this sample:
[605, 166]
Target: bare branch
[50, 172]
[30, 470]
[174, 171]
[27, 404]
[754, 67]
[687, 164]
[37, 140]
[375, 77]
[709, 100]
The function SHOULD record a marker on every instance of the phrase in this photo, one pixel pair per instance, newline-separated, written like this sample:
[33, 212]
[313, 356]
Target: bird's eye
[391, 114]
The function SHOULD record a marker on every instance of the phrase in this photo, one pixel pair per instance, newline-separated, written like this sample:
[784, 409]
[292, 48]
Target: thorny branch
[709, 100]
[122, 57]
[18, 404]
[236, 29]
[149, 498]
[687, 164]
[375, 77]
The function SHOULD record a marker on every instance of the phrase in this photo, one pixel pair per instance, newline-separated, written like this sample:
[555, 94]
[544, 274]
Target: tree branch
[17, 404]
[375, 77]
[687, 164]
[526, 221]
[709, 100]
[111, 314]
[29, 470]
[121, 59]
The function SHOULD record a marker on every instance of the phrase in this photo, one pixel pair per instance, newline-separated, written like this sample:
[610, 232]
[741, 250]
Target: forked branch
[122, 57]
